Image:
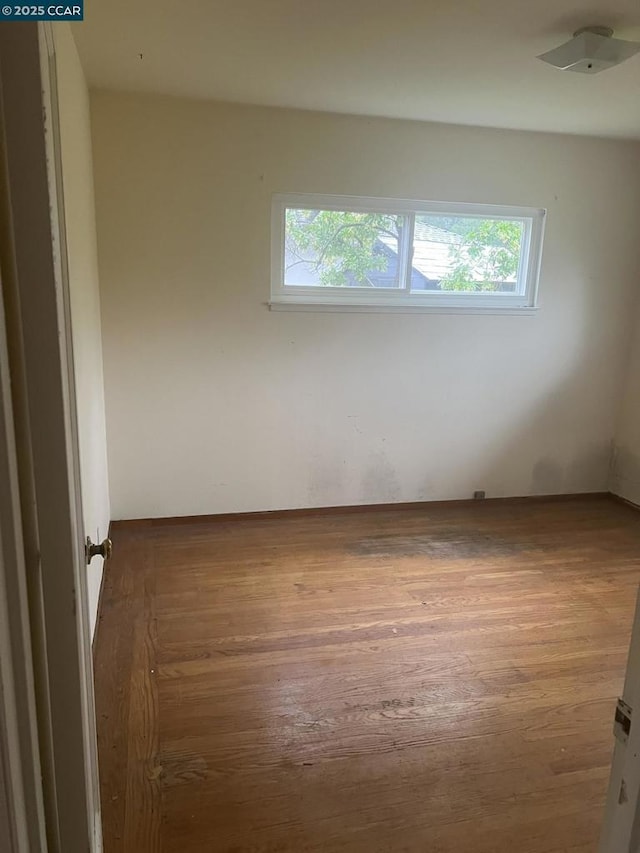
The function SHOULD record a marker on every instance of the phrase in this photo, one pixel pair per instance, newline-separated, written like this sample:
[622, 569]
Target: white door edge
[621, 826]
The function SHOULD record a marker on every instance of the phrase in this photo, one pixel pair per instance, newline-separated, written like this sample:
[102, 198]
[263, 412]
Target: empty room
[349, 303]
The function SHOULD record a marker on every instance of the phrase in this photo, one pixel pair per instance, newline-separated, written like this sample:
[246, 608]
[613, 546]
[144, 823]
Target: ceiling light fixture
[591, 50]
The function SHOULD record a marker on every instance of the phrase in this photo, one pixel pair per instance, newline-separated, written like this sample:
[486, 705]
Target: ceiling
[460, 61]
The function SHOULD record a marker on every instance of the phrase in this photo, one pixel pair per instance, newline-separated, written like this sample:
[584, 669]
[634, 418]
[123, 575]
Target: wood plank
[143, 792]
[437, 678]
[113, 657]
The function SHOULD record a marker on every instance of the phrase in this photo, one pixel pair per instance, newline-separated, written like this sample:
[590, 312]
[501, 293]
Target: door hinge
[622, 721]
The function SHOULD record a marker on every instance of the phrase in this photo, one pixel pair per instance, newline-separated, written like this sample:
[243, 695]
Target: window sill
[350, 308]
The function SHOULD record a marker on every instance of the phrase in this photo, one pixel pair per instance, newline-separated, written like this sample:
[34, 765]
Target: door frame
[35, 293]
[22, 824]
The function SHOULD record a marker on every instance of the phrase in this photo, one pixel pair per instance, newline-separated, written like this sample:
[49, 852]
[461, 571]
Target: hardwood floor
[429, 681]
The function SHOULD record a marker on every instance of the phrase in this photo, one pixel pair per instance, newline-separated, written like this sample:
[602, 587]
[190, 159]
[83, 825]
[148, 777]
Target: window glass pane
[463, 254]
[341, 248]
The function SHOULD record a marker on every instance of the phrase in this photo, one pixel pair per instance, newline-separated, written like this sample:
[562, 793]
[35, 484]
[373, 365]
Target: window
[335, 251]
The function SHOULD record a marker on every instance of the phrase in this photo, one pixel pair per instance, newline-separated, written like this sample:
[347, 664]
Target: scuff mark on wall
[380, 483]
[551, 477]
[625, 474]
[547, 477]
[326, 484]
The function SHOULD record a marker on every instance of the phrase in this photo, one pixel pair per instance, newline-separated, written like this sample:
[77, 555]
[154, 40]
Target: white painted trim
[367, 204]
[401, 298]
[359, 308]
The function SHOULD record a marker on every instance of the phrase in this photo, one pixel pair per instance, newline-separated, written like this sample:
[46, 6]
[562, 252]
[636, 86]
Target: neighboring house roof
[431, 250]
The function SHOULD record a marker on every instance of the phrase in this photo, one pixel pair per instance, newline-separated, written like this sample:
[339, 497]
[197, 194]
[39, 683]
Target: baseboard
[624, 501]
[140, 523]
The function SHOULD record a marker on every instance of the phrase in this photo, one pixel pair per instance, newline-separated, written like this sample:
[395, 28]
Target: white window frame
[402, 299]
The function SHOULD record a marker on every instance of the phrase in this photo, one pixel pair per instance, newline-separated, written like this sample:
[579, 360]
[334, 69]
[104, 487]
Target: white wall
[625, 474]
[77, 166]
[215, 404]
